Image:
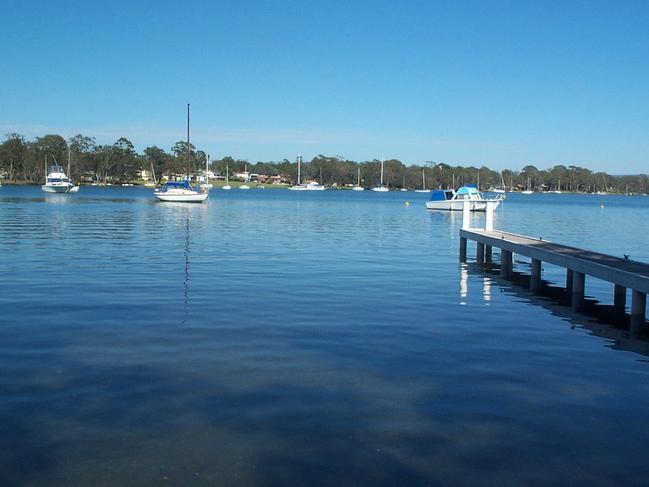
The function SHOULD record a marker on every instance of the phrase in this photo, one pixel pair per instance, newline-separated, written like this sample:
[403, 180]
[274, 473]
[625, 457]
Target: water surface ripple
[273, 338]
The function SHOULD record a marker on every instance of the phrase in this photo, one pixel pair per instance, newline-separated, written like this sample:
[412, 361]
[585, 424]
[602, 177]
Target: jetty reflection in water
[599, 319]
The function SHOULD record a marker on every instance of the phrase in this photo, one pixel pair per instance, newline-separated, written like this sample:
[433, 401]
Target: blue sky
[499, 83]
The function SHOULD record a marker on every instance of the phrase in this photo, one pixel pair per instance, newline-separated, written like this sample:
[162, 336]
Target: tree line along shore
[23, 160]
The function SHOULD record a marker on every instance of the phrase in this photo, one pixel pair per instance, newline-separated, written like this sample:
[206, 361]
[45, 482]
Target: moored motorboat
[56, 181]
[310, 186]
[448, 199]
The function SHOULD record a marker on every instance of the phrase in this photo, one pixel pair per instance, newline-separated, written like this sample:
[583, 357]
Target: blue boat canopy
[437, 195]
[441, 195]
[468, 189]
[177, 184]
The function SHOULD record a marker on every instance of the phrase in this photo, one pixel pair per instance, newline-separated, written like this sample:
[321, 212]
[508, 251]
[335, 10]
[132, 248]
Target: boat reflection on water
[183, 217]
[186, 250]
[599, 319]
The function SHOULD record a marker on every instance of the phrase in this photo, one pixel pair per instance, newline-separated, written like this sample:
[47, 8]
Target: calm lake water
[282, 338]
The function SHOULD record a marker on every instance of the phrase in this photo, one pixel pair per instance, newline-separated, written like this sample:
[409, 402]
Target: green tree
[12, 155]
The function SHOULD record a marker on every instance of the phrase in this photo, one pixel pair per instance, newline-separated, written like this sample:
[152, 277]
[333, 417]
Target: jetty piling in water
[621, 272]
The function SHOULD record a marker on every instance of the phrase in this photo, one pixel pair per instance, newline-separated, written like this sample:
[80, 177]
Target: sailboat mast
[188, 150]
[299, 162]
[381, 171]
[423, 178]
[359, 176]
[69, 175]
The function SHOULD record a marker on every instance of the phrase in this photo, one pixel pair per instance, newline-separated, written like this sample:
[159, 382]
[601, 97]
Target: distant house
[246, 176]
[209, 174]
[277, 179]
[144, 175]
[267, 179]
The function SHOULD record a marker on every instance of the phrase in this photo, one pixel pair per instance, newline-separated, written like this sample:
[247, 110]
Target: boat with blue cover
[180, 191]
[448, 199]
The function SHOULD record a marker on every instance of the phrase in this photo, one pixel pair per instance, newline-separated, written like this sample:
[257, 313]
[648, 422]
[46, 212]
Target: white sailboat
[358, 186]
[182, 191]
[501, 189]
[245, 186]
[207, 185]
[527, 188]
[227, 178]
[310, 186]
[423, 183]
[381, 188]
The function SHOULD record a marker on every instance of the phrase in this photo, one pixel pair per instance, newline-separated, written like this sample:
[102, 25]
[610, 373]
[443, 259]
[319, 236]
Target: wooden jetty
[620, 271]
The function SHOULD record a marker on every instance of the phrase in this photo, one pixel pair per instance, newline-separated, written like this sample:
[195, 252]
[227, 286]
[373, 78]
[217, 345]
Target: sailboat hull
[182, 198]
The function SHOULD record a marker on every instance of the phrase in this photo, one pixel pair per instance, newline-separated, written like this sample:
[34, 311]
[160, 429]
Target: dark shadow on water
[599, 319]
[137, 425]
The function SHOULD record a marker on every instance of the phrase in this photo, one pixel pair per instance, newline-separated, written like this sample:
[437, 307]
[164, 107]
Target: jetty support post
[466, 224]
[535, 279]
[462, 249]
[488, 254]
[489, 216]
[506, 261]
[619, 300]
[479, 255]
[466, 215]
[578, 286]
[638, 310]
[569, 279]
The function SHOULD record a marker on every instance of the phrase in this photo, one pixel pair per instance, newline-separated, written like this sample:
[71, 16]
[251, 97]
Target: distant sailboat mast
[299, 163]
[381, 171]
